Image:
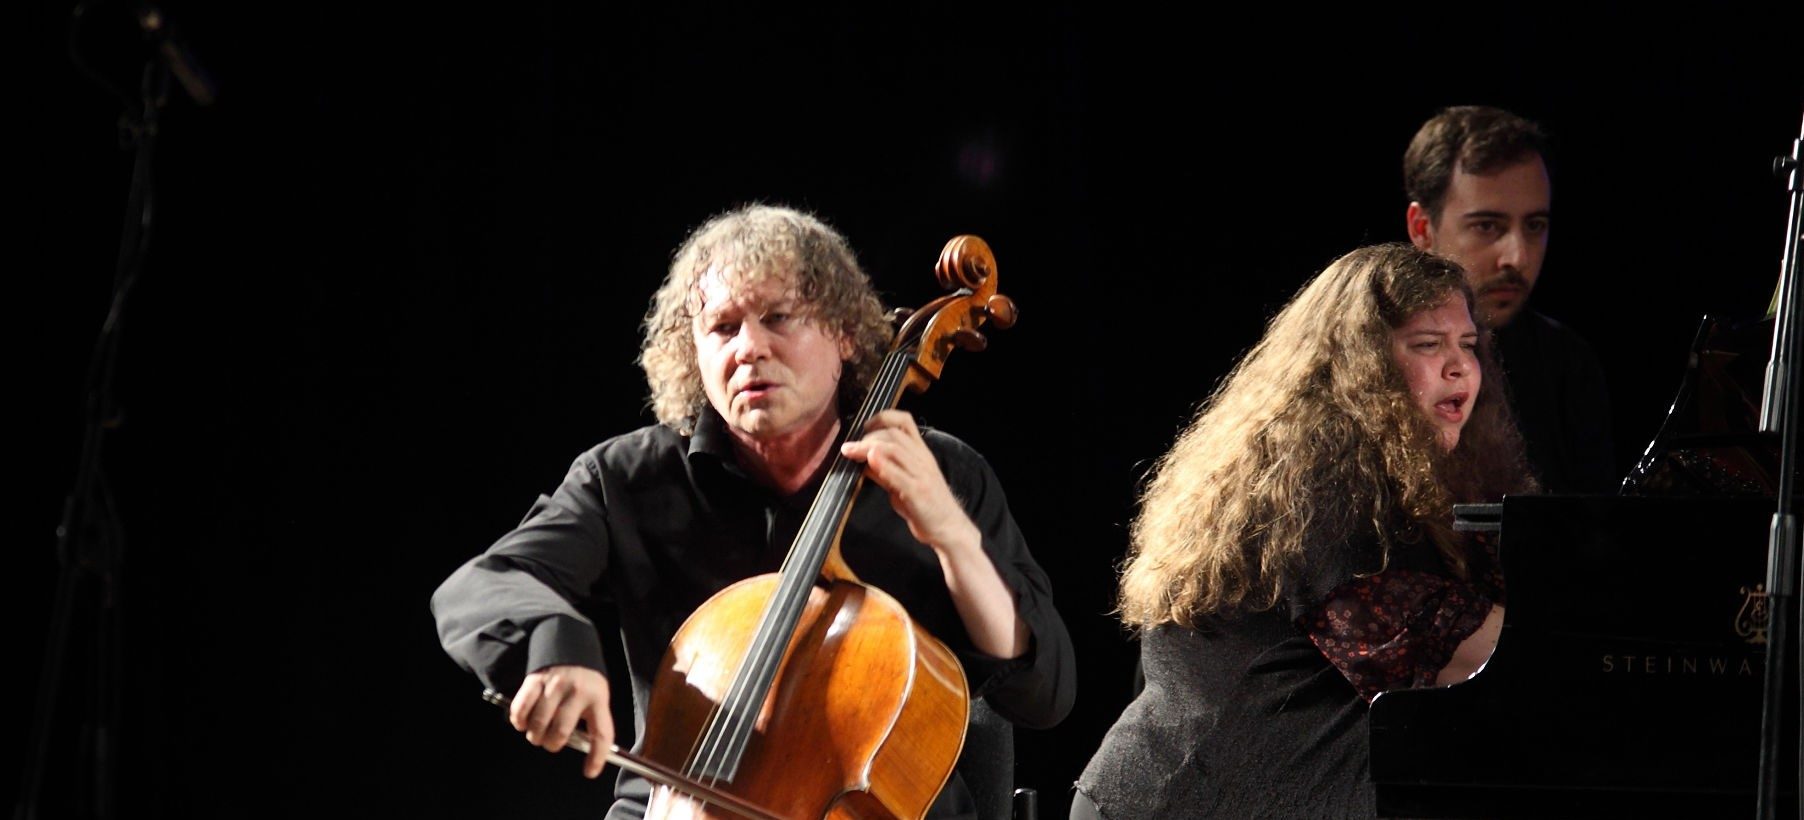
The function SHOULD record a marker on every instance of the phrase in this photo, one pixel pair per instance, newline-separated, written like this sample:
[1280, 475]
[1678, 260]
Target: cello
[809, 693]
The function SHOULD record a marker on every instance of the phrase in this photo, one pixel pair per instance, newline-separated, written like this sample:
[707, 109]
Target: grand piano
[1628, 678]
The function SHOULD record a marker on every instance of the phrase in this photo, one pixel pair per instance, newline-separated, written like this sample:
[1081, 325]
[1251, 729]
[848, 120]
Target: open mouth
[755, 389]
[1453, 407]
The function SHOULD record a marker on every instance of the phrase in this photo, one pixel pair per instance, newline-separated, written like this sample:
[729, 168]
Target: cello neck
[814, 552]
[922, 345]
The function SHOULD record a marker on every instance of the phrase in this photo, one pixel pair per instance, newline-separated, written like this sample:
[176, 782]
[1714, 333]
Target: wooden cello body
[808, 693]
[859, 674]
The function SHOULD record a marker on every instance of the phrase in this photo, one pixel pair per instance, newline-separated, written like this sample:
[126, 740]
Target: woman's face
[1437, 350]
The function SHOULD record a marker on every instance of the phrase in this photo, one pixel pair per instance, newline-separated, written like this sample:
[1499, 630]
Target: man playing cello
[763, 337]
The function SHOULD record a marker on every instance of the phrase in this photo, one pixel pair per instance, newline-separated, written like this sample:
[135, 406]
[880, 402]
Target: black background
[398, 267]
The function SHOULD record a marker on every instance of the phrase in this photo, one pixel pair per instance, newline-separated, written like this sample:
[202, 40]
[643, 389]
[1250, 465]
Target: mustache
[1509, 278]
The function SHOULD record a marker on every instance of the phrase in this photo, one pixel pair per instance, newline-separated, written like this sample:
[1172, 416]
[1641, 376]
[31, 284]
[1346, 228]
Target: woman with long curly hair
[1294, 552]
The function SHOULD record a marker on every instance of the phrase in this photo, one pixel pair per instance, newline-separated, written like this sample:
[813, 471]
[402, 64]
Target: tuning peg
[1001, 310]
[968, 339]
[899, 315]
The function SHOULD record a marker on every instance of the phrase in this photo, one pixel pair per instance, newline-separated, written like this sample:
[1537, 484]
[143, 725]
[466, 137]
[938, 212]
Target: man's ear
[1420, 226]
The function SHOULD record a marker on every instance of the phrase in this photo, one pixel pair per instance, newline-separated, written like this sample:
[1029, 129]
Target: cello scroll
[968, 268]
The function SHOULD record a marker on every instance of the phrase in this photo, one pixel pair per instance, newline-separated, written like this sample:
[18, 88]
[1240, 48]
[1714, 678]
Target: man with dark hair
[1479, 194]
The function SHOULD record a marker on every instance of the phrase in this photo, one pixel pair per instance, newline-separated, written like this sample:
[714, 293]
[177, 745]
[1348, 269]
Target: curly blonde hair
[748, 246]
[1314, 436]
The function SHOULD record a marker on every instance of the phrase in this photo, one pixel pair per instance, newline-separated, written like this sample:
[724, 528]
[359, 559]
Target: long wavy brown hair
[1314, 436]
[747, 246]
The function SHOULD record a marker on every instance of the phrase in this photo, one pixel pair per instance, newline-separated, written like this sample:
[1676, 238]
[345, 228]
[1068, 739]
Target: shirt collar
[712, 439]
[713, 442]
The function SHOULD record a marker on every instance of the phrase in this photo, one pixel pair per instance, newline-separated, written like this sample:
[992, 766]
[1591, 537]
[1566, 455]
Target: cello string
[752, 684]
[721, 745]
[716, 753]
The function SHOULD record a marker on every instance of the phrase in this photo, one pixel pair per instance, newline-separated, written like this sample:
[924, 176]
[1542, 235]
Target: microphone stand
[1780, 413]
[89, 539]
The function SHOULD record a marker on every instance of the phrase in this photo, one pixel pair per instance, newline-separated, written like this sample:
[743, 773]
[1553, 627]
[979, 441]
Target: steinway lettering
[1711, 665]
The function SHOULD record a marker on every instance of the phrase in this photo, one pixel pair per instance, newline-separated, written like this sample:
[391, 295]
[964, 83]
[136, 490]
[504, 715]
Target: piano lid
[1709, 443]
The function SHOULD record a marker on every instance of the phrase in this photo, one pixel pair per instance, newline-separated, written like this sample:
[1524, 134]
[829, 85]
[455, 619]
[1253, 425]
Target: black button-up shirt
[651, 524]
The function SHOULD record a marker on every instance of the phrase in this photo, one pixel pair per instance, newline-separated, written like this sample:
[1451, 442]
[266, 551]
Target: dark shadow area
[398, 269]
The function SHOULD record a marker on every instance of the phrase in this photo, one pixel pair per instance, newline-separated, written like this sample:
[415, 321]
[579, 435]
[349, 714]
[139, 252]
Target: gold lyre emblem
[1750, 622]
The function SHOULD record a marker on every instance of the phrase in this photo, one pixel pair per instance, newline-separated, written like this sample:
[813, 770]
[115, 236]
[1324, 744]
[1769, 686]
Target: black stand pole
[1779, 413]
[89, 539]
